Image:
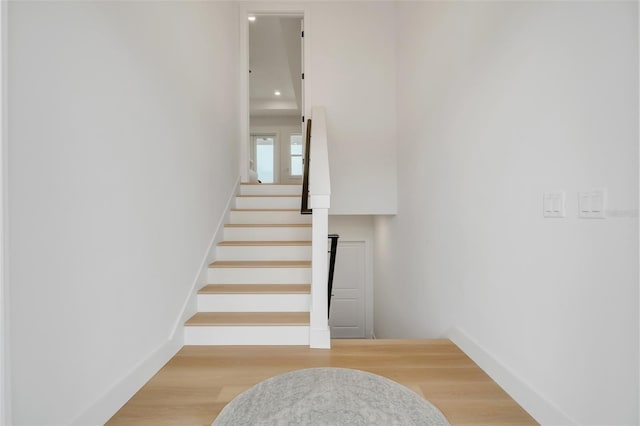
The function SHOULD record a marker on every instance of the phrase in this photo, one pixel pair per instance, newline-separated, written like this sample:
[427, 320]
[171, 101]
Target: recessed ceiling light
[277, 93]
[252, 18]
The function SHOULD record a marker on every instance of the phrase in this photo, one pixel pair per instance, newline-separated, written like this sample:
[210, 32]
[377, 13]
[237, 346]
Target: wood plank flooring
[199, 381]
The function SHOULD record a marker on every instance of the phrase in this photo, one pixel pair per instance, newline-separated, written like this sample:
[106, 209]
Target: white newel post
[319, 333]
[319, 201]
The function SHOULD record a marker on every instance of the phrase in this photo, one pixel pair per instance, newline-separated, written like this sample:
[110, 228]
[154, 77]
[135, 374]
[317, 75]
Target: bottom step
[247, 335]
[247, 328]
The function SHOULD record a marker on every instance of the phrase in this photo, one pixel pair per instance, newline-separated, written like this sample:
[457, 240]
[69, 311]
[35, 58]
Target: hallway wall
[122, 153]
[353, 76]
[498, 103]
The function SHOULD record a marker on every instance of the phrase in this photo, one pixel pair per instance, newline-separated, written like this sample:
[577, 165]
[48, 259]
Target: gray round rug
[329, 396]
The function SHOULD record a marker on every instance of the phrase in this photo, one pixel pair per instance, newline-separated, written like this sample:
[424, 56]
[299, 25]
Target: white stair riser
[270, 189]
[254, 302]
[286, 197]
[263, 253]
[268, 202]
[259, 275]
[266, 216]
[267, 234]
[246, 335]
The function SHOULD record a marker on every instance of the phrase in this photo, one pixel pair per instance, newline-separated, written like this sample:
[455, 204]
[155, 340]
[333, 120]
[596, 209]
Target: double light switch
[553, 204]
[591, 204]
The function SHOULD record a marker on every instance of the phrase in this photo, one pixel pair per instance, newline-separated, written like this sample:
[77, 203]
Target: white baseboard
[545, 412]
[109, 403]
[189, 307]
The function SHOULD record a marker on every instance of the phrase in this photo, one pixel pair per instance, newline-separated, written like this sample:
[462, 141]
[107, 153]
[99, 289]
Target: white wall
[353, 76]
[499, 102]
[122, 147]
[276, 121]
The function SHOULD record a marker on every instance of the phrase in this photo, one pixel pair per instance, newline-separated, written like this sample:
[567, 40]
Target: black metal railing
[332, 267]
[304, 205]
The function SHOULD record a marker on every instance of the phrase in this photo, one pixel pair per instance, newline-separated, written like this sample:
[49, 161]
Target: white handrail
[319, 201]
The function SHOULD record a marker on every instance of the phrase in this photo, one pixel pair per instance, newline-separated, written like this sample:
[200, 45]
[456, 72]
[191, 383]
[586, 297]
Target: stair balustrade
[316, 200]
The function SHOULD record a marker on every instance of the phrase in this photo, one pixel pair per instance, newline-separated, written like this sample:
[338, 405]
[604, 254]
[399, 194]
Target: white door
[347, 316]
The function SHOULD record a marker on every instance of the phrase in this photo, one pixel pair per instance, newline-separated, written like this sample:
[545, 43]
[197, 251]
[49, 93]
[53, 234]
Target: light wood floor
[199, 381]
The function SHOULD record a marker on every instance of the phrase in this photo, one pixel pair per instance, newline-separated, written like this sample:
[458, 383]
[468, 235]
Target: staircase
[259, 285]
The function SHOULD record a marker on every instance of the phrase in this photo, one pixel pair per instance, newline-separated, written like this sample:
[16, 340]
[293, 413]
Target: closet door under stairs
[259, 287]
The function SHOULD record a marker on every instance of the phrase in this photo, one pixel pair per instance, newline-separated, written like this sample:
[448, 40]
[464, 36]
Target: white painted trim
[268, 8]
[544, 411]
[320, 335]
[189, 307]
[245, 132]
[638, 236]
[254, 302]
[271, 252]
[638, 305]
[319, 338]
[125, 387]
[247, 335]
[260, 275]
[283, 217]
[369, 289]
[268, 234]
[5, 371]
[319, 201]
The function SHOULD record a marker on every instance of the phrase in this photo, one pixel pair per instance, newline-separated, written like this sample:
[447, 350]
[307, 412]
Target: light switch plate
[592, 204]
[553, 204]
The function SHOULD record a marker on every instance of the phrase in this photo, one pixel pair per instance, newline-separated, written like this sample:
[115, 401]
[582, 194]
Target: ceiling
[275, 61]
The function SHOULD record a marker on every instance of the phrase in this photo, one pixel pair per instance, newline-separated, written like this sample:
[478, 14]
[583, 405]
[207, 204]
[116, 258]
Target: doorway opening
[276, 97]
[263, 158]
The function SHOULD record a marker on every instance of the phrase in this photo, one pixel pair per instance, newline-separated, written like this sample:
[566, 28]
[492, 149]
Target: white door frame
[258, 8]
